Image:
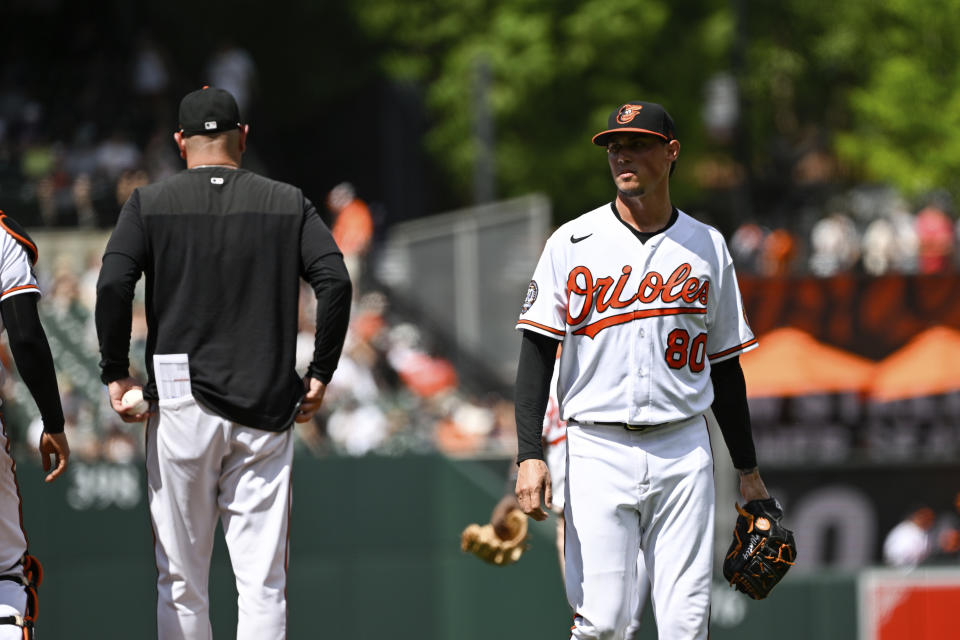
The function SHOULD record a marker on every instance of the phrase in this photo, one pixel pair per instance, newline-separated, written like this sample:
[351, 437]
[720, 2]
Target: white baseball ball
[133, 402]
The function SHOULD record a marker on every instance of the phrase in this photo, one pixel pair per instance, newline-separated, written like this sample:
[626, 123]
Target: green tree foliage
[905, 124]
[557, 69]
[875, 83]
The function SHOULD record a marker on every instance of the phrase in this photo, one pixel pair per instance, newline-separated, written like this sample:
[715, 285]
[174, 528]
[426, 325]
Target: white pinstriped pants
[201, 468]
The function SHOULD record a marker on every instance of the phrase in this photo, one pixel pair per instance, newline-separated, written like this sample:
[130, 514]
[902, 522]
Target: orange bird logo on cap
[628, 112]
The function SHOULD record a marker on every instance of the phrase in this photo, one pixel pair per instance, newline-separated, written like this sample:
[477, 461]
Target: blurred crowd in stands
[73, 165]
[868, 230]
[925, 537]
[394, 393]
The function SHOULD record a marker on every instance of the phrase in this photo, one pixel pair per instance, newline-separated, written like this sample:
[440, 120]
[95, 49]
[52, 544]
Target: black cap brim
[603, 137]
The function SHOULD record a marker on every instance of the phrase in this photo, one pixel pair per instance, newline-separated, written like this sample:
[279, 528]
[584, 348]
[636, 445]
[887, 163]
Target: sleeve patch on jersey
[531, 297]
[19, 234]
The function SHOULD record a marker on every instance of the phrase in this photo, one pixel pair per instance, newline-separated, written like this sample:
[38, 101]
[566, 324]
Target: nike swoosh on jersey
[575, 240]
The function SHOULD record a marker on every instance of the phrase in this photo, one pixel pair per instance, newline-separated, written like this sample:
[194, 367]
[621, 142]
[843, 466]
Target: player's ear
[244, 130]
[178, 138]
[673, 149]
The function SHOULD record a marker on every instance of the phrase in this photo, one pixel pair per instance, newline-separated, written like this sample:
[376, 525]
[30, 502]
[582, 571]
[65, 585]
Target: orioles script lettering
[602, 293]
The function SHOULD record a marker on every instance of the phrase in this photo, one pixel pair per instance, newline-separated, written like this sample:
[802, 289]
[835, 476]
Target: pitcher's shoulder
[16, 231]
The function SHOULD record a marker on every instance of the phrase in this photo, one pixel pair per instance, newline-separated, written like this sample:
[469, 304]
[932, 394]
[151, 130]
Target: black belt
[17, 621]
[624, 425]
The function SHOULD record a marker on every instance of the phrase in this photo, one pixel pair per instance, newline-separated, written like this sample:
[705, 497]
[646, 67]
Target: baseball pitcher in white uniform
[645, 302]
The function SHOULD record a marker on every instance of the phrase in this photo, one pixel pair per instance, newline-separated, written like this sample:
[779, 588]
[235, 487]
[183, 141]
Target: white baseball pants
[639, 492]
[201, 468]
[13, 601]
[13, 542]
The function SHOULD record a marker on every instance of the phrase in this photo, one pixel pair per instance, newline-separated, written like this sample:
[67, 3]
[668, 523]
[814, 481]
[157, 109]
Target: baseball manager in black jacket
[223, 250]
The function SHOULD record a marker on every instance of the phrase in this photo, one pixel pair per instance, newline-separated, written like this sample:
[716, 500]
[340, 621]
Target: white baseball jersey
[640, 322]
[16, 272]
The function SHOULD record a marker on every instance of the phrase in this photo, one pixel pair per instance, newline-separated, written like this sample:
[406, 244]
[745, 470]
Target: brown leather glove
[483, 542]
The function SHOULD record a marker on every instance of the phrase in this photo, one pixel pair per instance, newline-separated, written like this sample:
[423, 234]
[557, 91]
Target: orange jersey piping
[20, 288]
[557, 332]
[727, 352]
[556, 440]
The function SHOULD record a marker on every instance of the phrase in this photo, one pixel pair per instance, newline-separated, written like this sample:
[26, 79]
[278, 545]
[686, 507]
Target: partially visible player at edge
[645, 301]
[223, 250]
[20, 573]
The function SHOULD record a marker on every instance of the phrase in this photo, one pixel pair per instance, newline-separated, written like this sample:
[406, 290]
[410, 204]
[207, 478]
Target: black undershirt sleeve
[31, 353]
[538, 355]
[113, 314]
[732, 412]
[331, 283]
[323, 268]
[123, 259]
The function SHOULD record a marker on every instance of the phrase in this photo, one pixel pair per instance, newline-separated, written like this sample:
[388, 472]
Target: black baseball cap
[208, 110]
[638, 117]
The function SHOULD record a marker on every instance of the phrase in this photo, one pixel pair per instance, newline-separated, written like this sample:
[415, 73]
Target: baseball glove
[762, 550]
[483, 542]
